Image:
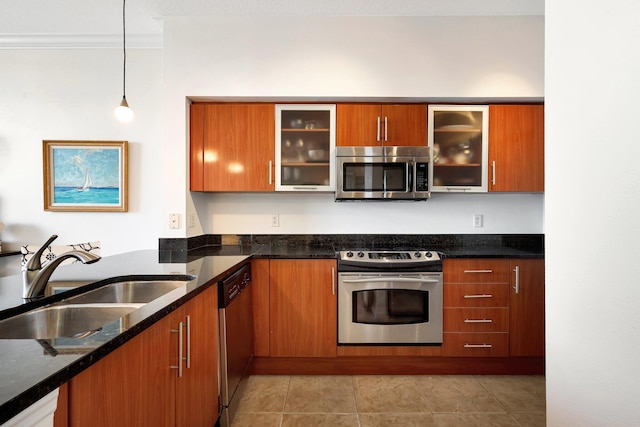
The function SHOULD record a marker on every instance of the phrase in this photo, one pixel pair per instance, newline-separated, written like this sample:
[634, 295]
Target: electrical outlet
[174, 221]
[275, 220]
[192, 220]
[477, 221]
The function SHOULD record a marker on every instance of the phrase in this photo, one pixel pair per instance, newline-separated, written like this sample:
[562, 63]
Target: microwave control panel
[422, 176]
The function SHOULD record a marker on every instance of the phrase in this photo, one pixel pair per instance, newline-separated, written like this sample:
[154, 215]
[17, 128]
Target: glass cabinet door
[305, 147]
[457, 136]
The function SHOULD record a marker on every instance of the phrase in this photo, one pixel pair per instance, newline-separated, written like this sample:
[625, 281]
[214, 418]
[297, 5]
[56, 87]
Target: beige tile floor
[398, 401]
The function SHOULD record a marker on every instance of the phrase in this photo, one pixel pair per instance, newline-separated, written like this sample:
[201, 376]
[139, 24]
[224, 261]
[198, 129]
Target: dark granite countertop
[30, 369]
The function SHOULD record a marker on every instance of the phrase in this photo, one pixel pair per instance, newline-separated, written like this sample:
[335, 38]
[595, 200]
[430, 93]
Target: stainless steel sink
[63, 320]
[134, 291]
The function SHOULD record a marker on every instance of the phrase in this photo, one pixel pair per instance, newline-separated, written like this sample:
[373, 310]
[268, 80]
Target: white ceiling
[144, 17]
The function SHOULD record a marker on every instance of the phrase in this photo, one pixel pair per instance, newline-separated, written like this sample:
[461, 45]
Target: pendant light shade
[122, 111]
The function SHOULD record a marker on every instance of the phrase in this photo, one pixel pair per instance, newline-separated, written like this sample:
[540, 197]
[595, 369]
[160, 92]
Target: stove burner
[413, 259]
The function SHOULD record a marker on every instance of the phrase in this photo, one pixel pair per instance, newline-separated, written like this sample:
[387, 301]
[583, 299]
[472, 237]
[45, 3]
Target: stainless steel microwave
[382, 173]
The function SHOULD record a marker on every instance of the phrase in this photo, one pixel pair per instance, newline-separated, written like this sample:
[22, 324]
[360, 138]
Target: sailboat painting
[85, 175]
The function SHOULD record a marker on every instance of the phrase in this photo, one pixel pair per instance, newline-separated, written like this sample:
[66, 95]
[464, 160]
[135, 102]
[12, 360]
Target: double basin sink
[85, 314]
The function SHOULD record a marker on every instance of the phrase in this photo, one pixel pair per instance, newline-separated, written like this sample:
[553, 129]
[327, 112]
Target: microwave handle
[411, 176]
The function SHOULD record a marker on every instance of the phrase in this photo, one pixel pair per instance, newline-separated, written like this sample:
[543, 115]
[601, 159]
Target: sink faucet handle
[34, 263]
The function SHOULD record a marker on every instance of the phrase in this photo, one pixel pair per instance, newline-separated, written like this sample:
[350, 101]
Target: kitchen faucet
[35, 277]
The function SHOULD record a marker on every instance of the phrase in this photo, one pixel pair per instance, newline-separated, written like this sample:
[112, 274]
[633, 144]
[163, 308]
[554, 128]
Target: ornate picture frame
[85, 176]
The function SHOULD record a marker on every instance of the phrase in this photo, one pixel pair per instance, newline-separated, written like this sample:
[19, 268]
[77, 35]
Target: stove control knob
[349, 254]
[428, 254]
[417, 254]
[361, 254]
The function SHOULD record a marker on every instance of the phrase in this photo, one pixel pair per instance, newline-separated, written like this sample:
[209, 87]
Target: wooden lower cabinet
[526, 308]
[302, 308]
[260, 305]
[476, 307]
[136, 385]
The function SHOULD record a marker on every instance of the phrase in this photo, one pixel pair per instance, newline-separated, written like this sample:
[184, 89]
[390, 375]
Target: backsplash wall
[319, 214]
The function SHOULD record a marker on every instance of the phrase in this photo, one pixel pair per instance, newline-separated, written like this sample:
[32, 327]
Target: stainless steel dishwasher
[236, 339]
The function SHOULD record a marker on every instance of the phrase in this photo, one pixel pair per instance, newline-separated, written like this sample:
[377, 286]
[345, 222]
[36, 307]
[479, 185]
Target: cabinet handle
[179, 366]
[333, 281]
[463, 189]
[188, 342]
[479, 296]
[378, 130]
[478, 271]
[385, 129]
[493, 172]
[270, 173]
[517, 285]
[478, 346]
[305, 188]
[478, 321]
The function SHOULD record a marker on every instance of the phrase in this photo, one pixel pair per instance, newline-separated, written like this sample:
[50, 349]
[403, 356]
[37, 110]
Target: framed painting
[85, 176]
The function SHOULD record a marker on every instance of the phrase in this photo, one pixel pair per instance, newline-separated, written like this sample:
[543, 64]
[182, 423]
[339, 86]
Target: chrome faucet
[35, 277]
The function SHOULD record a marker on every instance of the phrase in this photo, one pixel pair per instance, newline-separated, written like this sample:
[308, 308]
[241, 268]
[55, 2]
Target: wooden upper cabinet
[516, 148]
[232, 147]
[381, 124]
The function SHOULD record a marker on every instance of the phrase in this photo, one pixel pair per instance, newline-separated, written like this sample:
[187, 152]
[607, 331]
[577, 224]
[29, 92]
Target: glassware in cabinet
[305, 147]
[458, 139]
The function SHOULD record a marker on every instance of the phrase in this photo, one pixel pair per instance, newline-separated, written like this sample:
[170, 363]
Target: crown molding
[79, 41]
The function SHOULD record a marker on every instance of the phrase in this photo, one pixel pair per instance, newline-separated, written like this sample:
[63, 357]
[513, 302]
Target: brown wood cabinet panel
[476, 295]
[136, 385]
[365, 125]
[239, 143]
[476, 319]
[260, 304]
[475, 270]
[516, 145]
[133, 386]
[406, 124]
[303, 308]
[197, 391]
[196, 147]
[476, 344]
[527, 309]
[357, 124]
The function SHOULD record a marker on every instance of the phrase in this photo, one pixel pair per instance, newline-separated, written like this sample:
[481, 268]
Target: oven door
[390, 308]
[374, 178]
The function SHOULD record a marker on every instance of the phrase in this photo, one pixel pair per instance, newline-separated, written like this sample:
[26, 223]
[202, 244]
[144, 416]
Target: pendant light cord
[124, 52]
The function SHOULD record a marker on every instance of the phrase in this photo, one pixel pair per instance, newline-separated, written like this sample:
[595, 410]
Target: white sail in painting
[87, 183]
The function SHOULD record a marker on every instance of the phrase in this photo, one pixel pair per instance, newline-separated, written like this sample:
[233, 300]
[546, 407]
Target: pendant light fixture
[123, 112]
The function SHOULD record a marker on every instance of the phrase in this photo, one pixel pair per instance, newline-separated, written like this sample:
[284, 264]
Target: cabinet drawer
[476, 295]
[476, 319]
[476, 270]
[475, 344]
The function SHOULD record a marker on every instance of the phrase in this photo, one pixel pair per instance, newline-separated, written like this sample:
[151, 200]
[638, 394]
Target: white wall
[319, 58]
[591, 213]
[70, 95]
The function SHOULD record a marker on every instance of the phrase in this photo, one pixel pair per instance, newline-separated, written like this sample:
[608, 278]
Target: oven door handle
[391, 279]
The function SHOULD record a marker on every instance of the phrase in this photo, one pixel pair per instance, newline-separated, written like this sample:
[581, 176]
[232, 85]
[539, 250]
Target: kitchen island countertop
[30, 369]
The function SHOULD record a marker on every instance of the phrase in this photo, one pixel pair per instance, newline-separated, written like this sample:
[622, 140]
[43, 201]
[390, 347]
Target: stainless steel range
[389, 297]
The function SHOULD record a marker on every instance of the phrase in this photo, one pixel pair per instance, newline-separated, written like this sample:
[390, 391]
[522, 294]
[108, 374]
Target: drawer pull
[478, 321]
[478, 346]
[478, 271]
[479, 296]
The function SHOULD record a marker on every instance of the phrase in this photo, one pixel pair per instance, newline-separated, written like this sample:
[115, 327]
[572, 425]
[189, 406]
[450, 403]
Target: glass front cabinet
[458, 141]
[305, 147]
